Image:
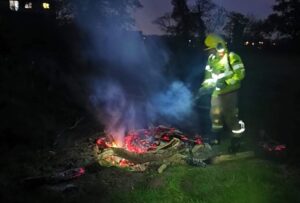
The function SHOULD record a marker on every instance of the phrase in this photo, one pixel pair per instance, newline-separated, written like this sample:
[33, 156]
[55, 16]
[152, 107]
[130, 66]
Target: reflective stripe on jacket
[225, 78]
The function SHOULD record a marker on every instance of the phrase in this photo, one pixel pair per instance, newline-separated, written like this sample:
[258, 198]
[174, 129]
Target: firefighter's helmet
[214, 41]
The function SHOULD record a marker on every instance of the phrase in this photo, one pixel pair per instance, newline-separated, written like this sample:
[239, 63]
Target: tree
[216, 20]
[180, 22]
[201, 15]
[99, 12]
[286, 19]
[166, 24]
[255, 29]
[236, 27]
[182, 16]
[185, 21]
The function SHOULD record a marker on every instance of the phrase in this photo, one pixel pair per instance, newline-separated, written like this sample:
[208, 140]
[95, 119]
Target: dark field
[33, 118]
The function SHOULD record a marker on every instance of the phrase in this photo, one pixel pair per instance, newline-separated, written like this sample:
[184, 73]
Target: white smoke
[132, 89]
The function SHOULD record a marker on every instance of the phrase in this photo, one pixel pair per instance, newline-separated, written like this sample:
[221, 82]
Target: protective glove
[230, 81]
[209, 84]
[220, 84]
[203, 91]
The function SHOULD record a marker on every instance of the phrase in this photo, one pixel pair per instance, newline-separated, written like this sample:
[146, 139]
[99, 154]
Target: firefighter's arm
[238, 69]
[207, 84]
[208, 80]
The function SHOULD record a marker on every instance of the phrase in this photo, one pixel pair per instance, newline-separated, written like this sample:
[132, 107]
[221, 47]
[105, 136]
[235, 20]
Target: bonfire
[159, 145]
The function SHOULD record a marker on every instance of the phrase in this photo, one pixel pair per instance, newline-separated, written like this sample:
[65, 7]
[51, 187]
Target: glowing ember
[140, 141]
[124, 163]
[144, 140]
[81, 171]
[101, 142]
[114, 144]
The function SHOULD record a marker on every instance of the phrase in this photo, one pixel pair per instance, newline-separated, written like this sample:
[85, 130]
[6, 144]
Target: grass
[252, 181]
[268, 102]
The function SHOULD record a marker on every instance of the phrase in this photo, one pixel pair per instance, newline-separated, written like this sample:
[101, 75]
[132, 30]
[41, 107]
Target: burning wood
[158, 145]
[163, 152]
[161, 146]
[144, 140]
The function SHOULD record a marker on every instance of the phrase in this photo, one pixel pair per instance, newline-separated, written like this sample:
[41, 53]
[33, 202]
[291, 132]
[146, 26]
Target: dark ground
[42, 97]
[270, 97]
[32, 122]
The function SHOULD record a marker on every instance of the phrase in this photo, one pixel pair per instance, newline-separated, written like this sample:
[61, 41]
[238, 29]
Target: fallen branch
[160, 154]
[55, 178]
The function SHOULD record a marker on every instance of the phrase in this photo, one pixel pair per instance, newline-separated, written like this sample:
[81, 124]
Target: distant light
[260, 42]
[46, 5]
[14, 5]
[28, 5]
[253, 43]
[274, 44]
[246, 43]
[190, 41]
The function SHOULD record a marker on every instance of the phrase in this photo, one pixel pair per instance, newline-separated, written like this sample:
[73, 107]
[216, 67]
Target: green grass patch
[252, 181]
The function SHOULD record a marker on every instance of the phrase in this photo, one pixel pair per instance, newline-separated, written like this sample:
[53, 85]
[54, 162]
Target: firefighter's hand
[208, 84]
[231, 81]
[220, 84]
[202, 91]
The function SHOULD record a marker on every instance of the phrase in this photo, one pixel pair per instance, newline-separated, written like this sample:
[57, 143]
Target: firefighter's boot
[235, 145]
[237, 134]
[215, 138]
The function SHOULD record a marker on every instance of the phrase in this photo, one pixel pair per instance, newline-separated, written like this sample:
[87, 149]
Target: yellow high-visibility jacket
[224, 74]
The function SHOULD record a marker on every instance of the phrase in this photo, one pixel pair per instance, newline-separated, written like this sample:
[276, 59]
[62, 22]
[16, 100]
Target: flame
[116, 137]
[114, 144]
[144, 140]
[141, 141]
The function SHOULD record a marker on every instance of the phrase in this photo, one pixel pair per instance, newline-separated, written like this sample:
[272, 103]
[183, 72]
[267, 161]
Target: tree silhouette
[201, 16]
[181, 14]
[184, 21]
[286, 18]
[166, 24]
[255, 29]
[99, 12]
[236, 28]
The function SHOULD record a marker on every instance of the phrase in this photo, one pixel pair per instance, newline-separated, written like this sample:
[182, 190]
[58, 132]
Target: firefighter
[223, 75]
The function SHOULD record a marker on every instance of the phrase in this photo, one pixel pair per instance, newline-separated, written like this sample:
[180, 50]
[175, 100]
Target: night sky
[155, 8]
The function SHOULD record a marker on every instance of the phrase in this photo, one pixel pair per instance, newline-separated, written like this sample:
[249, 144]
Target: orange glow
[139, 141]
[114, 144]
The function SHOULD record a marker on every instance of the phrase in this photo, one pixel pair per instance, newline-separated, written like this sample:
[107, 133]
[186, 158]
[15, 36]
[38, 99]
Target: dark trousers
[224, 111]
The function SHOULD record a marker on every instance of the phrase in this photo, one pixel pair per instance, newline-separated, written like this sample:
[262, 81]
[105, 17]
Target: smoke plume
[132, 88]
